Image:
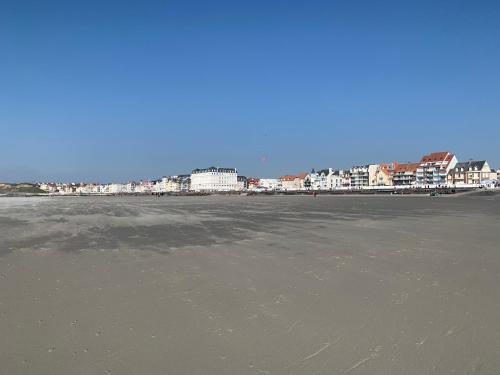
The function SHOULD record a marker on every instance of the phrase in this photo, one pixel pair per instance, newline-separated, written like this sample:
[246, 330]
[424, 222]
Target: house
[333, 180]
[325, 179]
[184, 182]
[48, 187]
[290, 183]
[405, 174]
[175, 184]
[145, 186]
[270, 183]
[312, 180]
[338, 179]
[130, 187]
[242, 183]
[301, 180]
[117, 188]
[434, 168]
[214, 179]
[156, 186]
[345, 178]
[172, 185]
[161, 185]
[253, 183]
[384, 174]
[471, 172]
[322, 181]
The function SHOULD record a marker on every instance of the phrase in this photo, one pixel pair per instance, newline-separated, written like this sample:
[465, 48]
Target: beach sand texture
[250, 285]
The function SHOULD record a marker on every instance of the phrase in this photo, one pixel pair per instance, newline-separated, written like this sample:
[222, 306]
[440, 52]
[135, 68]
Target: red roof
[300, 176]
[253, 180]
[388, 168]
[409, 167]
[437, 156]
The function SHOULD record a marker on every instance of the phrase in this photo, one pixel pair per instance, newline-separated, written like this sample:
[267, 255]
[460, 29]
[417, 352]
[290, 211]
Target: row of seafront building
[438, 169]
[200, 180]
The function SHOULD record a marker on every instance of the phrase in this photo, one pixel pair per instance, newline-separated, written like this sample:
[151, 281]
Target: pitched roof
[471, 164]
[388, 168]
[408, 167]
[437, 156]
[288, 178]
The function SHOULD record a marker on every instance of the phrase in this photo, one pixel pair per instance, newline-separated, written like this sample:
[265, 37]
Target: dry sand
[250, 285]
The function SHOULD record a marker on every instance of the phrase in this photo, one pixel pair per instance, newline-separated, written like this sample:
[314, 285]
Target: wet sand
[250, 285]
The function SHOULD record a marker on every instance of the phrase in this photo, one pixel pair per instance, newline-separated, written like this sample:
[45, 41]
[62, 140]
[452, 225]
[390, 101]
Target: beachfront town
[435, 170]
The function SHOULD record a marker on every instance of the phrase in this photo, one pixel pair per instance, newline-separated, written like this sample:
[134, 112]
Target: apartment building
[405, 174]
[434, 168]
[363, 175]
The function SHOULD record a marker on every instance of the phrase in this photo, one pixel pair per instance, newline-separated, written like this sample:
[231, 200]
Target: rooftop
[471, 164]
[437, 156]
[408, 167]
[215, 169]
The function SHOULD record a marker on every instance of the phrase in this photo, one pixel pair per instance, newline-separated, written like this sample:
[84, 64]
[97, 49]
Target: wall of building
[214, 180]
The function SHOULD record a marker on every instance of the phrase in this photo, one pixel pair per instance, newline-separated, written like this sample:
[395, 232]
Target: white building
[161, 185]
[317, 180]
[345, 178]
[117, 188]
[269, 183]
[145, 187]
[325, 179]
[471, 172]
[242, 183]
[289, 183]
[214, 179]
[363, 175]
[312, 181]
[172, 184]
[184, 182]
[334, 180]
[434, 168]
[130, 187]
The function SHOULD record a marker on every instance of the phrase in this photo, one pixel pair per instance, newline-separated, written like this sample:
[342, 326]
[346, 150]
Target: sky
[127, 90]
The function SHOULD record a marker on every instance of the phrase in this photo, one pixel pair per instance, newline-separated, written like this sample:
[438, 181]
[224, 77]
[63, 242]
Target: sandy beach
[250, 285]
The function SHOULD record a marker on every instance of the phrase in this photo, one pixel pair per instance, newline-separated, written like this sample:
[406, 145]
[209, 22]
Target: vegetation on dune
[20, 188]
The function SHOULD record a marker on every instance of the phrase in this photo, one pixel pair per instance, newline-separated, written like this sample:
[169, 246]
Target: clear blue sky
[119, 90]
